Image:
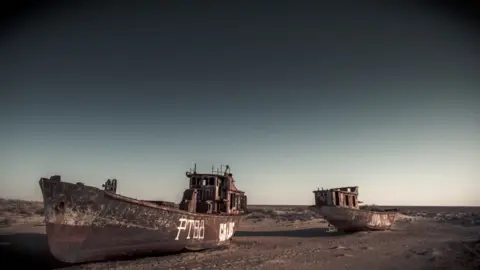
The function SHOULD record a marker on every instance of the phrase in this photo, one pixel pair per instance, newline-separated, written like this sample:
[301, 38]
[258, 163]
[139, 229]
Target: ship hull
[352, 220]
[84, 223]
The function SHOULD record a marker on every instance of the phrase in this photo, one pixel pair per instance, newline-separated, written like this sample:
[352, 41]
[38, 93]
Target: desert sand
[280, 237]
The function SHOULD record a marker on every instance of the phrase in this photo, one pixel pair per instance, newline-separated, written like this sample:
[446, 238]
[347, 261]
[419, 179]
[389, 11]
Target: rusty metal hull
[351, 220]
[84, 223]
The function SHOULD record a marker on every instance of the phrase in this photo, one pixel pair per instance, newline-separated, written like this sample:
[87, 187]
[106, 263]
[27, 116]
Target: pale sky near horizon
[385, 97]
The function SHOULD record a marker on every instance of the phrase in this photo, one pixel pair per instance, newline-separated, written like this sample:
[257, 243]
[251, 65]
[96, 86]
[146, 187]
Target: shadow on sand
[28, 249]
[313, 232]
[31, 250]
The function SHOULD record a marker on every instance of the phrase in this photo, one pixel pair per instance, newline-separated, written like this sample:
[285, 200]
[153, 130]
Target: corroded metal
[110, 185]
[340, 207]
[85, 223]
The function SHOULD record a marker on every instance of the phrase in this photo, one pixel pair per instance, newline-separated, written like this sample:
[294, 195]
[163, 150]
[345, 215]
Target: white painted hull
[348, 219]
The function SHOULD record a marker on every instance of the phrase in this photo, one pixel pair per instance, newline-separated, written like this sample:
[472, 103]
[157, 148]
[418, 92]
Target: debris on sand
[289, 214]
[20, 212]
[464, 218]
[473, 252]
[339, 247]
[20, 207]
[456, 255]
[4, 222]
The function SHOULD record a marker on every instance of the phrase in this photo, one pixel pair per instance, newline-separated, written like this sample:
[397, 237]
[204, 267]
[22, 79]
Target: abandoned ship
[340, 207]
[85, 223]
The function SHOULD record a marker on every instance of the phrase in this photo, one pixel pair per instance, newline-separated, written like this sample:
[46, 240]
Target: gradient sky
[293, 97]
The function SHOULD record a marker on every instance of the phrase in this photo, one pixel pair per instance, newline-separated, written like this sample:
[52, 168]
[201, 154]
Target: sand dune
[282, 237]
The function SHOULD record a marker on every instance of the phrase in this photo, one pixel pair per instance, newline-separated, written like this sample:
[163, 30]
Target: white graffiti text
[226, 230]
[195, 228]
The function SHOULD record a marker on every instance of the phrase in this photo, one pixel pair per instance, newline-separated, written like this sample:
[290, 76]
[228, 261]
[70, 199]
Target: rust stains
[86, 223]
[213, 193]
[344, 197]
[340, 207]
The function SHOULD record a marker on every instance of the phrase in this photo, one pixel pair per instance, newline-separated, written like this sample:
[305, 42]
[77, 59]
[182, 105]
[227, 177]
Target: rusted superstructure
[340, 207]
[85, 223]
[342, 197]
[213, 193]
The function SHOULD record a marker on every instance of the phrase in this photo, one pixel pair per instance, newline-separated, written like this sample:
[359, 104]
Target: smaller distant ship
[340, 207]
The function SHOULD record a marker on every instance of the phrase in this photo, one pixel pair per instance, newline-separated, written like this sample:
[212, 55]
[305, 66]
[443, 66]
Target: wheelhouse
[340, 197]
[213, 192]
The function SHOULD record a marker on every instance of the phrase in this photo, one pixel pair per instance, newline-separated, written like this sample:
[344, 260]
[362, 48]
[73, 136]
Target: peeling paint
[340, 207]
[85, 223]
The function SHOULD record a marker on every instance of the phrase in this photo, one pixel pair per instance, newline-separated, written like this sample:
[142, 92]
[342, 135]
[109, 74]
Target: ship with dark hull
[340, 208]
[85, 223]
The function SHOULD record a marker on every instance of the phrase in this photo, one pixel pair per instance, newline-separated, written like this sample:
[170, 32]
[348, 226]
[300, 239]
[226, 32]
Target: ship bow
[70, 210]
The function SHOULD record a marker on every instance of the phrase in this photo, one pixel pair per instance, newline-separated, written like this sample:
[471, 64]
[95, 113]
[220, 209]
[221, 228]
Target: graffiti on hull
[195, 229]
[226, 230]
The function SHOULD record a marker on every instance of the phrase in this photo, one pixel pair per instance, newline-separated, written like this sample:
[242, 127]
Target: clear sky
[293, 98]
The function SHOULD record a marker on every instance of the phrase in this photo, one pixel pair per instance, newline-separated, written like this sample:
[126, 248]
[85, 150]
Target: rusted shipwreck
[85, 223]
[340, 207]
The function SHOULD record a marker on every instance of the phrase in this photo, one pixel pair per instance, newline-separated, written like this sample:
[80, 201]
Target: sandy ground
[281, 237]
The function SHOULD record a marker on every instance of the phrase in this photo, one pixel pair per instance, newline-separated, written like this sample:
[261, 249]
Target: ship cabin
[213, 192]
[341, 197]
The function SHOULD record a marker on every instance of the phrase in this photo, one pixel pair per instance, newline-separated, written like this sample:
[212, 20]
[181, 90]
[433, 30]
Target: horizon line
[297, 205]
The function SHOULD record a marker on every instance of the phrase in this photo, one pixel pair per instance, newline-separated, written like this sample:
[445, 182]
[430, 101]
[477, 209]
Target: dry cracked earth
[280, 237]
